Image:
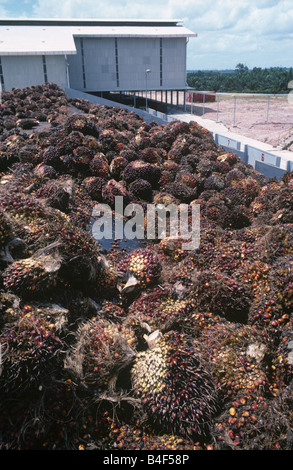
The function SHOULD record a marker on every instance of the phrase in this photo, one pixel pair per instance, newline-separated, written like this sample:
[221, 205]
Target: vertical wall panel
[22, 71]
[174, 62]
[136, 55]
[56, 70]
[75, 67]
[100, 64]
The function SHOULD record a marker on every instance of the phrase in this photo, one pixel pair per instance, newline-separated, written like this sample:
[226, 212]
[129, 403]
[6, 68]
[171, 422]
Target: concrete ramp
[72, 93]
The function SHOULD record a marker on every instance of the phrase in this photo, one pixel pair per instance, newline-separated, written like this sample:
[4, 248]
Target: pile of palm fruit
[146, 346]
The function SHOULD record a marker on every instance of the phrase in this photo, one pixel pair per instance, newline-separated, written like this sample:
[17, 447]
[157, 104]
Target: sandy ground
[253, 117]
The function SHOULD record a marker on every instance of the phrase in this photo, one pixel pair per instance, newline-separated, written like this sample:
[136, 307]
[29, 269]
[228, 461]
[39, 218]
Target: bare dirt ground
[253, 117]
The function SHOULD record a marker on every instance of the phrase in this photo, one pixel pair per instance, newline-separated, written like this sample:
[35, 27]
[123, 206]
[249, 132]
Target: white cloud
[102, 9]
[257, 32]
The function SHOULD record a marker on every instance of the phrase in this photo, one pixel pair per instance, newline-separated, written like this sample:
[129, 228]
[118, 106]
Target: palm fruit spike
[176, 391]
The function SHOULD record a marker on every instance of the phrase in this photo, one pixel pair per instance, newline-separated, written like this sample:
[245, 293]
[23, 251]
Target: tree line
[271, 80]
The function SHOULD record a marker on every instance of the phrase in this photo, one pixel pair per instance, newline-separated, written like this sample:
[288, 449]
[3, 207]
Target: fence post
[268, 108]
[218, 100]
[203, 102]
[234, 110]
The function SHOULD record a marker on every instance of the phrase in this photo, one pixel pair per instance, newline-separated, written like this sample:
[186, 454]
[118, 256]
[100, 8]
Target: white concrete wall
[22, 70]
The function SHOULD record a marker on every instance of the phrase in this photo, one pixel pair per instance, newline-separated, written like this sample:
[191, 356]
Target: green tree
[240, 68]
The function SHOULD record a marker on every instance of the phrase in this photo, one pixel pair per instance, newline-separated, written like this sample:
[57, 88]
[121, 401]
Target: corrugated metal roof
[16, 39]
[26, 40]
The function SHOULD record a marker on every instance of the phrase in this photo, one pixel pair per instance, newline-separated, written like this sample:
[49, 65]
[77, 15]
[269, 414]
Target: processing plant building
[94, 55]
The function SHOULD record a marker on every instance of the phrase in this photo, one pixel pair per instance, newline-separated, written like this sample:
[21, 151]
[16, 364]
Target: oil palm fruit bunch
[99, 165]
[94, 186]
[112, 189]
[22, 207]
[139, 169]
[239, 356]
[159, 309]
[30, 277]
[100, 349]
[66, 143]
[140, 269]
[222, 295]
[82, 157]
[243, 423]
[256, 423]
[83, 124]
[31, 353]
[141, 189]
[176, 390]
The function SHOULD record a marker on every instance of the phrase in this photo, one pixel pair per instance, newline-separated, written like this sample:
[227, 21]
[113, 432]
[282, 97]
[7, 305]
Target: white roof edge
[127, 35]
[98, 20]
[14, 53]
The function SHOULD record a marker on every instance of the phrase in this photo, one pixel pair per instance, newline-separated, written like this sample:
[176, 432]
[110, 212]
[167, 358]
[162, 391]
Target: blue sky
[257, 33]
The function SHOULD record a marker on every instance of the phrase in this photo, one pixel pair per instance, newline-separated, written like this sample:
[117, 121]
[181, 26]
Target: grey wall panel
[100, 63]
[174, 62]
[136, 55]
[22, 71]
[56, 70]
[269, 171]
[75, 67]
[109, 64]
